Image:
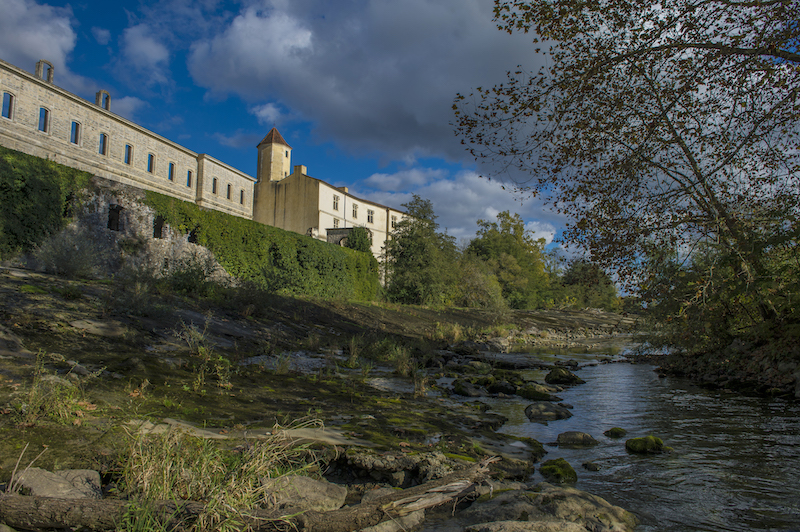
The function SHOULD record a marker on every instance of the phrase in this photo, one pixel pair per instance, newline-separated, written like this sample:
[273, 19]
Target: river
[736, 460]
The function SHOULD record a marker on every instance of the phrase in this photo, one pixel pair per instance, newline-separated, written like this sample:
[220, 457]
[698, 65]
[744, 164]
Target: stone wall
[88, 136]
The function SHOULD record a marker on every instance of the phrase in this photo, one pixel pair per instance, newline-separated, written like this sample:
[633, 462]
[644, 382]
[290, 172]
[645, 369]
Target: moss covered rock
[558, 470]
[534, 392]
[562, 376]
[647, 445]
[616, 432]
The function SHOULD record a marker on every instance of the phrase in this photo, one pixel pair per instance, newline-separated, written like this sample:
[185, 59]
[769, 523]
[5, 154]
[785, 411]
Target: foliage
[668, 134]
[419, 260]
[516, 258]
[590, 286]
[359, 239]
[38, 197]
[273, 259]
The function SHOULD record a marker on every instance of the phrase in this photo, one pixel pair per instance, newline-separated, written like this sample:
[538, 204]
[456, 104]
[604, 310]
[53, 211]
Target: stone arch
[103, 99]
[41, 73]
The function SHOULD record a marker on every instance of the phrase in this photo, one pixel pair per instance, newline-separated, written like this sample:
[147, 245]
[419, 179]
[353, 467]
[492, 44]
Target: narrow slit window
[44, 120]
[228, 193]
[75, 133]
[128, 154]
[151, 163]
[103, 148]
[214, 186]
[189, 178]
[8, 105]
[171, 173]
[241, 197]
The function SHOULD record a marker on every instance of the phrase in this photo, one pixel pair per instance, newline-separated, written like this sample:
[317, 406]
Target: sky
[362, 90]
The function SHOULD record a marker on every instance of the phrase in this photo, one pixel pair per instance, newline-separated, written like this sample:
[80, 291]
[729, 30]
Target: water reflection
[736, 464]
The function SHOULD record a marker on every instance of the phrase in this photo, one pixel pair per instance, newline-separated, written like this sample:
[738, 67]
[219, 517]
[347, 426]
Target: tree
[514, 255]
[420, 262]
[590, 286]
[359, 239]
[660, 129]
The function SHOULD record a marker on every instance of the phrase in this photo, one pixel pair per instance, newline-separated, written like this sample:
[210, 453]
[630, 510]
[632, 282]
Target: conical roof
[274, 137]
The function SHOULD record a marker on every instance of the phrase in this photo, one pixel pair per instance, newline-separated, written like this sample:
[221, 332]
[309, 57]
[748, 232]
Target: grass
[176, 466]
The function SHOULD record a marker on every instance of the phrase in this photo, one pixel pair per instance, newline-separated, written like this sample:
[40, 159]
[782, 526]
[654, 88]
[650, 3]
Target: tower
[274, 158]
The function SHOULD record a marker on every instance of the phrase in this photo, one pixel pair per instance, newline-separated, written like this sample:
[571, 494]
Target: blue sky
[361, 89]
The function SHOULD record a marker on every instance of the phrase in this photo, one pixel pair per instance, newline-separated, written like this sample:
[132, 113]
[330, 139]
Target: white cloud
[145, 55]
[373, 76]
[403, 180]
[462, 200]
[268, 114]
[101, 35]
[30, 32]
[128, 106]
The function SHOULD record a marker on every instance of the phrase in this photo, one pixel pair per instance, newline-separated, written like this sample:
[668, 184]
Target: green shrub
[271, 258]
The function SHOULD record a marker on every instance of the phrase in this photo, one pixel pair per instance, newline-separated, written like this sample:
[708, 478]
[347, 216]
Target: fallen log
[47, 513]
[39, 513]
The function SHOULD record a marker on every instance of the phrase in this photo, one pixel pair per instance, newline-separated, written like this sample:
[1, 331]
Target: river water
[736, 460]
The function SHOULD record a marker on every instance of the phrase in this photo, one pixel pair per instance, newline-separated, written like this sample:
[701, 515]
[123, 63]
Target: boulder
[591, 466]
[562, 376]
[536, 392]
[68, 484]
[647, 445]
[616, 432]
[575, 439]
[305, 493]
[547, 507]
[544, 411]
[503, 387]
[558, 470]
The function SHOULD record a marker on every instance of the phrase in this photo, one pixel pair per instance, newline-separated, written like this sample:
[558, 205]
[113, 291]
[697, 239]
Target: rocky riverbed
[397, 389]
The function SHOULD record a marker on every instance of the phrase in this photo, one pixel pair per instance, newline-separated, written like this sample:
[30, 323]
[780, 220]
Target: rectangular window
[151, 163]
[75, 133]
[128, 154]
[228, 193]
[103, 149]
[370, 216]
[171, 172]
[336, 223]
[8, 105]
[336, 203]
[355, 210]
[241, 197]
[214, 186]
[394, 221]
[44, 120]
[189, 178]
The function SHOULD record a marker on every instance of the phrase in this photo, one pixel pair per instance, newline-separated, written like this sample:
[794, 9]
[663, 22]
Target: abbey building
[41, 119]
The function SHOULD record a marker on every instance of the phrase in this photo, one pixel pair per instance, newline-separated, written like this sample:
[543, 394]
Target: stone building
[303, 204]
[42, 119]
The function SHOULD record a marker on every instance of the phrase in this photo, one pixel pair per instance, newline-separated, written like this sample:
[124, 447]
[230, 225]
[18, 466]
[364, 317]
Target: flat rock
[107, 329]
[67, 484]
[305, 493]
[575, 439]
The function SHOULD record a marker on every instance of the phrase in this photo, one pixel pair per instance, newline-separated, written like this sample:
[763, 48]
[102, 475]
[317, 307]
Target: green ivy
[37, 197]
[275, 259]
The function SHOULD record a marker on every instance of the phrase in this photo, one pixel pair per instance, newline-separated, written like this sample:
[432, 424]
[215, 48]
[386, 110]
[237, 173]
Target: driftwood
[37, 513]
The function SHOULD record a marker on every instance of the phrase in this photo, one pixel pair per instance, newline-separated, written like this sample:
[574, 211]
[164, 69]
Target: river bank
[81, 360]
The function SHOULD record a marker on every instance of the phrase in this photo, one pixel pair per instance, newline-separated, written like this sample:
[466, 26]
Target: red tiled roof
[273, 137]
